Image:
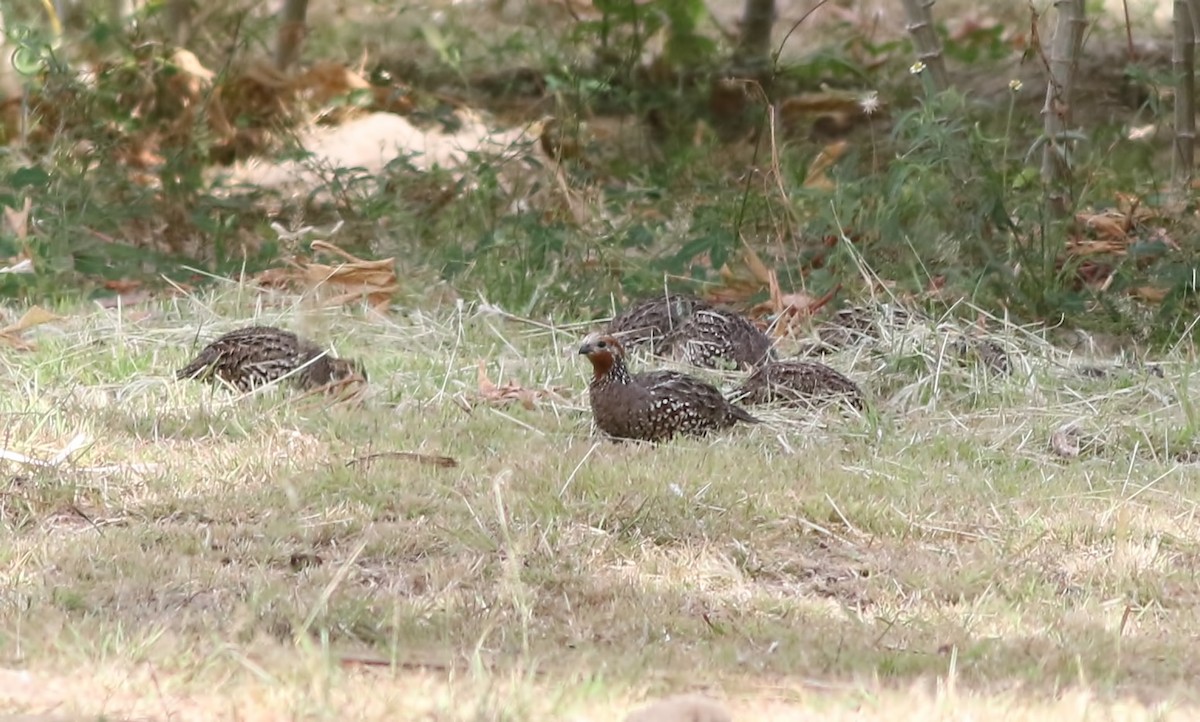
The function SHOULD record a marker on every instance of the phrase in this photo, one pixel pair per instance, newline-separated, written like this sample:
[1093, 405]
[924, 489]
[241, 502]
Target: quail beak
[586, 349]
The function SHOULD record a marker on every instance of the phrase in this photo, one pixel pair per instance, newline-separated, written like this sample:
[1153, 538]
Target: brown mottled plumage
[692, 331]
[258, 355]
[990, 353]
[652, 320]
[798, 383]
[655, 405]
[855, 325]
[714, 337]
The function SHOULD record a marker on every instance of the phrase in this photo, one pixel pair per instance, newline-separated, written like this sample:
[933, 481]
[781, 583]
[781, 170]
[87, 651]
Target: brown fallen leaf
[35, 316]
[1150, 294]
[326, 80]
[504, 394]
[122, 285]
[16, 220]
[353, 281]
[739, 283]
[1069, 442]
[1106, 225]
[792, 309]
[755, 263]
[818, 170]
[358, 278]
[827, 100]
[274, 277]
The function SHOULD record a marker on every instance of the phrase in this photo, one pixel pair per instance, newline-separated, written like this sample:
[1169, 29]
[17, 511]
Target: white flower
[869, 103]
[917, 68]
[1015, 85]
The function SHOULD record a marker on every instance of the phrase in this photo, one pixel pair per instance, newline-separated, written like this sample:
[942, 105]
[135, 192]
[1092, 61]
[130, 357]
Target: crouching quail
[651, 320]
[692, 331]
[653, 405]
[798, 383]
[258, 355]
[713, 337]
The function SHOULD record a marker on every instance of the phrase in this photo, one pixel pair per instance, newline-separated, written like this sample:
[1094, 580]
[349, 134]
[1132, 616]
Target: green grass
[200, 554]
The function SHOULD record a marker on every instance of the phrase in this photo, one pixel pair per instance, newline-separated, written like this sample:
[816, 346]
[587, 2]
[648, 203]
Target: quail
[714, 337]
[653, 405]
[692, 331]
[652, 320]
[796, 382]
[248, 358]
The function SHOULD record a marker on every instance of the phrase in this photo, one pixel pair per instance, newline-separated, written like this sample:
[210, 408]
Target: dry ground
[173, 552]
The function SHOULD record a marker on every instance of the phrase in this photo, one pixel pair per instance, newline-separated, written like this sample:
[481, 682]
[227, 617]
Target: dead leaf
[804, 304]
[1107, 225]
[123, 285]
[755, 264]
[350, 282]
[1151, 294]
[186, 61]
[792, 309]
[17, 220]
[828, 100]
[35, 316]
[19, 265]
[327, 80]
[1142, 132]
[374, 281]
[818, 170]
[504, 394]
[274, 277]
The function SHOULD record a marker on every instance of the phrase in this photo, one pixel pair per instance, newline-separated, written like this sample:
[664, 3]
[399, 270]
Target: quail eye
[602, 344]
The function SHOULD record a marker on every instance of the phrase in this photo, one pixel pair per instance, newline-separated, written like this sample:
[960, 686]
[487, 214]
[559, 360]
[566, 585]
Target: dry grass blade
[431, 459]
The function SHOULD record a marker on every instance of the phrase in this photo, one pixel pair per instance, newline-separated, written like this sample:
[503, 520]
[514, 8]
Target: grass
[200, 555]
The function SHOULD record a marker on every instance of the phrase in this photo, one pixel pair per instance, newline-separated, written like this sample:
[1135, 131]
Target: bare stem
[1056, 113]
[754, 46]
[925, 40]
[292, 29]
[179, 21]
[1183, 61]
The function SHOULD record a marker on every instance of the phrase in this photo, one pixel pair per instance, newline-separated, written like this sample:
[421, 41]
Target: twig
[926, 42]
[432, 459]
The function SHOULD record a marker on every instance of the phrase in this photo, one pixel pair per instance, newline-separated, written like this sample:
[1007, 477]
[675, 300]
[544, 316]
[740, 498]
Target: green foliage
[939, 191]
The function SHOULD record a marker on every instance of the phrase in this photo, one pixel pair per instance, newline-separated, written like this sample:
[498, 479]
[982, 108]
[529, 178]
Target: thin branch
[292, 29]
[1183, 61]
[754, 46]
[1056, 113]
[925, 40]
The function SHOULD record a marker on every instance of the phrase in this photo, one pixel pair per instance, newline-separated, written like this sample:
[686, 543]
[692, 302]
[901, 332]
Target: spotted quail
[258, 355]
[654, 405]
[652, 320]
[798, 383]
[990, 353]
[692, 331]
[856, 325]
[712, 337]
